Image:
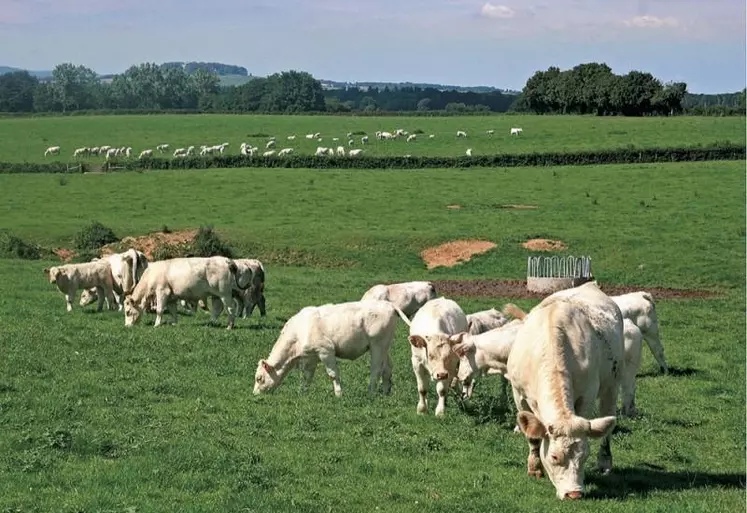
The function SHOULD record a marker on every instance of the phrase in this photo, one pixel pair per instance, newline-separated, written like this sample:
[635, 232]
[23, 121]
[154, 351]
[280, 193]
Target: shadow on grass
[673, 372]
[648, 478]
[496, 407]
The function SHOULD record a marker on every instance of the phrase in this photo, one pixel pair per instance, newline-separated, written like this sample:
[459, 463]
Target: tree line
[585, 89]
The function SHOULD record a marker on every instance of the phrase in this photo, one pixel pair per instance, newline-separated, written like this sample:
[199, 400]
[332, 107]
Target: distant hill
[213, 67]
[333, 84]
[38, 74]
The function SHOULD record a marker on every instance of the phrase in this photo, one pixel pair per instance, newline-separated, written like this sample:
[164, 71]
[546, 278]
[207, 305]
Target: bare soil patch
[64, 254]
[517, 289]
[545, 245]
[452, 253]
[519, 207]
[148, 243]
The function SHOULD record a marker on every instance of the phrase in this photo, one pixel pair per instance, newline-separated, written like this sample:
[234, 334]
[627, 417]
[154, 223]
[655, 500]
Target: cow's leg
[101, 297]
[111, 300]
[173, 309]
[534, 463]
[377, 364]
[632, 363]
[386, 375]
[442, 388]
[607, 406]
[422, 376]
[262, 310]
[308, 366]
[329, 360]
[654, 344]
[69, 298]
[216, 307]
[230, 310]
[161, 300]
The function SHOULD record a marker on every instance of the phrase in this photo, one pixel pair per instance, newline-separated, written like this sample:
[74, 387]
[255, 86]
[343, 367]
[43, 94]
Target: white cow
[251, 271]
[432, 335]
[127, 268]
[80, 152]
[516, 131]
[364, 139]
[291, 137]
[71, 277]
[310, 136]
[486, 320]
[270, 144]
[190, 279]
[407, 296]
[486, 353]
[162, 148]
[341, 151]
[640, 308]
[411, 137]
[355, 152]
[567, 355]
[490, 132]
[461, 133]
[328, 332]
[268, 153]
[468, 152]
[52, 150]
[145, 153]
[285, 151]
[320, 151]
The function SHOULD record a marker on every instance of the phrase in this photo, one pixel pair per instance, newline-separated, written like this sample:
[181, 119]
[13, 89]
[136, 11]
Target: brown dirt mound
[545, 245]
[452, 253]
[519, 207]
[517, 289]
[148, 243]
[65, 254]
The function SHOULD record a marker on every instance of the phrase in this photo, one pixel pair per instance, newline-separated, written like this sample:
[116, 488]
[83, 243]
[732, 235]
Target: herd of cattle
[576, 347]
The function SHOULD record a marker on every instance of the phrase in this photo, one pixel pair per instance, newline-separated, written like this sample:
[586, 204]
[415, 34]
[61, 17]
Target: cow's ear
[266, 366]
[463, 348]
[601, 426]
[457, 339]
[530, 425]
[417, 341]
[469, 325]
[46, 271]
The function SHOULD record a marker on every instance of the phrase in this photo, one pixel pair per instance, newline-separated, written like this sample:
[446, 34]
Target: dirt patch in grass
[66, 255]
[544, 245]
[517, 289]
[454, 207]
[455, 252]
[149, 243]
[519, 207]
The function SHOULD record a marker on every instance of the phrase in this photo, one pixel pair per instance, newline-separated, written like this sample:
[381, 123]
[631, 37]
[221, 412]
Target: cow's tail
[402, 315]
[514, 311]
[235, 271]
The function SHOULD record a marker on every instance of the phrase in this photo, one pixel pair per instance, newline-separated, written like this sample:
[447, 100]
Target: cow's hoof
[535, 473]
[422, 409]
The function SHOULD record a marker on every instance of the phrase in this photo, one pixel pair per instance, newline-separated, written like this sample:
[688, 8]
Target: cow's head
[53, 273]
[88, 296]
[466, 351]
[442, 360]
[565, 448]
[132, 311]
[266, 378]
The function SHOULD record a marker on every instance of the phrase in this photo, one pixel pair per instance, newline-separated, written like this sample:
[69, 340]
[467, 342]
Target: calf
[190, 279]
[325, 333]
[486, 320]
[640, 308]
[71, 277]
[567, 354]
[433, 332]
[127, 269]
[407, 296]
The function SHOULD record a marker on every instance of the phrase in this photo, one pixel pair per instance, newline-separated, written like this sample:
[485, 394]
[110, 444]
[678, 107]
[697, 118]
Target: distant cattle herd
[576, 348]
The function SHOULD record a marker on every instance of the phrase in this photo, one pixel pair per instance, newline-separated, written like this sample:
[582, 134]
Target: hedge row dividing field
[98, 417]
[25, 139]
[620, 156]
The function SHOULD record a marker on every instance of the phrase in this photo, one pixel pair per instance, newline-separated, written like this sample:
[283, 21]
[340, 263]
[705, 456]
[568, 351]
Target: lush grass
[25, 139]
[96, 417]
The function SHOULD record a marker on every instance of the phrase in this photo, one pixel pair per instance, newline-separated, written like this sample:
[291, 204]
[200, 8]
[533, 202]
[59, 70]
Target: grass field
[96, 417]
[25, 139]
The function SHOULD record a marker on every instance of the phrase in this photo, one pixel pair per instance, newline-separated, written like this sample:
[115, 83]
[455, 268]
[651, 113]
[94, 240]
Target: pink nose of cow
[574, 495]
[442, 375]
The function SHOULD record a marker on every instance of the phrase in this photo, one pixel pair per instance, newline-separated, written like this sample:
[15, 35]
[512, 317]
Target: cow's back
[439, 315]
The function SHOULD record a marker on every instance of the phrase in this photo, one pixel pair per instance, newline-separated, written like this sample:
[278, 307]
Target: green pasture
[25, 139]
[97, 417]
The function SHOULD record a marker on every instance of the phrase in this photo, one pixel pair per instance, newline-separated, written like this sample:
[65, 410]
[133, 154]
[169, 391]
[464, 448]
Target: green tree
[424, 104]
[74, 86]
[17, 92]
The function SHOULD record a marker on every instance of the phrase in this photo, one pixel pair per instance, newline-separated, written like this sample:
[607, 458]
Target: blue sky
[462, 42]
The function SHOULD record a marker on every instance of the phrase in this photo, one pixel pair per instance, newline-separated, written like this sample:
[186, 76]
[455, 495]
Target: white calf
[461, 133]
[516, 131]
[71, 277]
[640, 308]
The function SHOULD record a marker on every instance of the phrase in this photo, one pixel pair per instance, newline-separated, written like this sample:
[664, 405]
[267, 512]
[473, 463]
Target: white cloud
[648, 21]
[496, 11]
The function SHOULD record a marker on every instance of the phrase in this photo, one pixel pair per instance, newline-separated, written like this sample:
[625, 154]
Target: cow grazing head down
[266, 378]
[564, 448]
[132, 311]
[442, 361]
[88, 296]
[468, 368]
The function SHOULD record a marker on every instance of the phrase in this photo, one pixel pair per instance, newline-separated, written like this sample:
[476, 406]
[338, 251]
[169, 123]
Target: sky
[500, 43]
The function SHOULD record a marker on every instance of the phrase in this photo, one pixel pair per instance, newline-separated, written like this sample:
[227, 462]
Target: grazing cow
[461, 133]
[320, 151]
[516, 131]
[145, 153]
[251, 271]
[486, 320]
[325, 333]
[468, 152]
[486, 353]
[407, 296]
[432, 335]
[285, 151]
[270, 144]
[162, 148]
[640, 308]
[52, 150]
[364, 139]
[411, 137]
[190, 279]
[490, 132]
[355, 152]
[341, 151]
[568, 354]
[71, 277]
[268, 153]
[127, 269]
